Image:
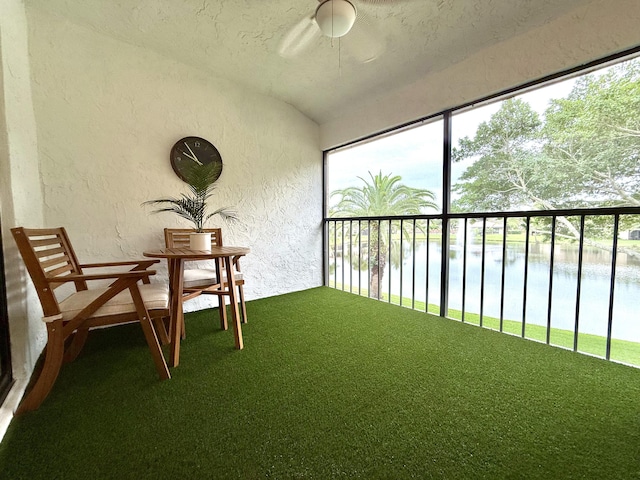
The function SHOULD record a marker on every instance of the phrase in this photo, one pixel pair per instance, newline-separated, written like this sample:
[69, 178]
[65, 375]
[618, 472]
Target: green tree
[383, 195]
[505, 175]
[511, 171]
[593, 136]
[585, 152]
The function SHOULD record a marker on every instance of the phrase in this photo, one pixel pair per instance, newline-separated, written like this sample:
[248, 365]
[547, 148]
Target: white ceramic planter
[200, 241]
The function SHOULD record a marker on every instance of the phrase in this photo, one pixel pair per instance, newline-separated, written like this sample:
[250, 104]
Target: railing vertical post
[614, 256]
[351, 248]
[413, 270]
[378, 262]
[359, 257]
[444, 267]
[576, 328]
[401, 260]
[482, 265]
[342, 253]
[526, 275]
[350, 256]
[368, 258]
[325, 253]
[426, 270]
[504, 264]
[464, 269]
[551, 262]
[389, 260]
[335, 254]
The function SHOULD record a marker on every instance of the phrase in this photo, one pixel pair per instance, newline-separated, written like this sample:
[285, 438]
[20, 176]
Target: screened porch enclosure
[519, 212]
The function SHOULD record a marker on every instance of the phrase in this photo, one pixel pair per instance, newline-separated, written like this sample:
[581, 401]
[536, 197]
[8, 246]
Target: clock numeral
[196, 144]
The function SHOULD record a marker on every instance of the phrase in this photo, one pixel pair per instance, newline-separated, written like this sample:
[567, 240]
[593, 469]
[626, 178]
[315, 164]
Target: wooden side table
[176, 258]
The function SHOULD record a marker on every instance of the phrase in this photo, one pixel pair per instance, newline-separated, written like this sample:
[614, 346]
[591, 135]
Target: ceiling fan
[335, 19]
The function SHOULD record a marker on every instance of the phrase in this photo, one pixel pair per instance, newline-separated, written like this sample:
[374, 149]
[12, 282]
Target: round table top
[215, 252]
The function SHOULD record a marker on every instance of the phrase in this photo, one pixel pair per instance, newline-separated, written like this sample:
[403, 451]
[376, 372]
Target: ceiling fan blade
[364, 42]
[299, 37]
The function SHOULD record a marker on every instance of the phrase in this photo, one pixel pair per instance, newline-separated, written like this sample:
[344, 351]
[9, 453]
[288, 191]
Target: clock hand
[188, 156]
[194, 158]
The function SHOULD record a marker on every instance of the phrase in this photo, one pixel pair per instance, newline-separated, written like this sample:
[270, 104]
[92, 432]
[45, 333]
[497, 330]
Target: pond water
[594, 294]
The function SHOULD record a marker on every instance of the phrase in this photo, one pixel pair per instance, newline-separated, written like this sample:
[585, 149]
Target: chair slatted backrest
[179, 237]
[47, 254]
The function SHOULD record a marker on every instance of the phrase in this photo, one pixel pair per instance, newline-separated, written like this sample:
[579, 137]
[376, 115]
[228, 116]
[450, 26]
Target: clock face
[191, 151]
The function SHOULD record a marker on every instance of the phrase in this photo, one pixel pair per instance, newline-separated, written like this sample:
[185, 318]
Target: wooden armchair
[204, 281]
[51, 263]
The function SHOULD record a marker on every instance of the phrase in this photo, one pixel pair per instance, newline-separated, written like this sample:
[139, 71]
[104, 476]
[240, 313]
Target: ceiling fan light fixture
[335, 17]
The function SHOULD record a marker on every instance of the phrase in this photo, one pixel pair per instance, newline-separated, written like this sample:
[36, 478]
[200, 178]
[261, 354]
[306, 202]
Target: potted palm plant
[193, 205]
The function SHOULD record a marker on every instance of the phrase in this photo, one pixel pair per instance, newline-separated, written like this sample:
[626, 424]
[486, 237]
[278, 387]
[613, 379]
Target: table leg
[176, 314]
[222, 304]
[235, 312]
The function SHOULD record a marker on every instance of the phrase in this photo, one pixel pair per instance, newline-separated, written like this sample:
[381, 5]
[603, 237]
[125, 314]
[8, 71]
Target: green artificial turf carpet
[332, 385]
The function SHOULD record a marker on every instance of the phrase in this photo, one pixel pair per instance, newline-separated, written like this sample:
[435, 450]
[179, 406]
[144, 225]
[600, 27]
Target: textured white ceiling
[247, 41]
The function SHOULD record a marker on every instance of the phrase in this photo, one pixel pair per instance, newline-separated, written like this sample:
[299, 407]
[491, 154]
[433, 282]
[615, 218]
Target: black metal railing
[523, 273]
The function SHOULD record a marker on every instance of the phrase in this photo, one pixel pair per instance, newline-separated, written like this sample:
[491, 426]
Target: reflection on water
[594, 294]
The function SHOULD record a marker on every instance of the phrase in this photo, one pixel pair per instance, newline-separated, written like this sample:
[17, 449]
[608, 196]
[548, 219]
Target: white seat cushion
[154, 295]
[204, 276]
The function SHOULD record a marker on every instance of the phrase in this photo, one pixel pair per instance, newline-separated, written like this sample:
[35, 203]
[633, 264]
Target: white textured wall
[584, 34]
[20, 195]
[108, 113]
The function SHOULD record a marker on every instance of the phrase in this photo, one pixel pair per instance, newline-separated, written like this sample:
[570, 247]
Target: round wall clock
[189, 151]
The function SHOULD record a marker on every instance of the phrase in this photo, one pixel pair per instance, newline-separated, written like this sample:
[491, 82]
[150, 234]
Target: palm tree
[384, 195]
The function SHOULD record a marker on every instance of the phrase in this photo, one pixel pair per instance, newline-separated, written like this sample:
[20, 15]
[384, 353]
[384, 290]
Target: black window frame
[6, 372]
[446, 216]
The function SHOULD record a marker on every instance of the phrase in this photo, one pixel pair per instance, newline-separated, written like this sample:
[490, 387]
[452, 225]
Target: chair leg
[78, 340]
[150, 334]
[154, 347]
[242, 304]
[50, 369]
[161, 330]
[222, 310]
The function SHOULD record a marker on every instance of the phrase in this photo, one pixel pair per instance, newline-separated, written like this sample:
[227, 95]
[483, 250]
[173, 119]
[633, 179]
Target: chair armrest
[138, 265]
[141, 274]
[142, 263]
[236, 262]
